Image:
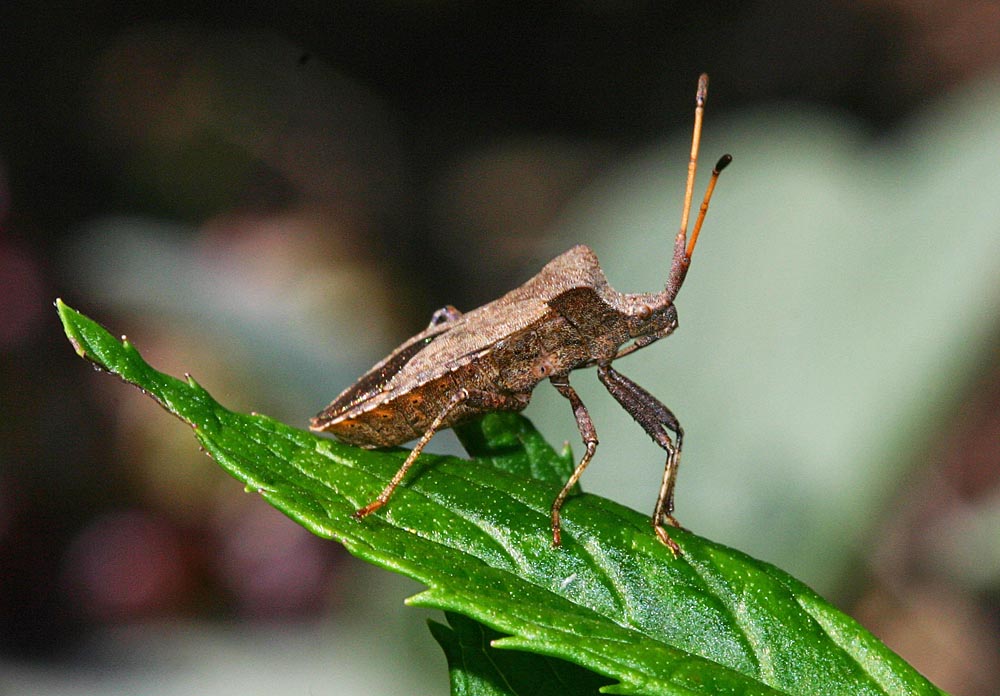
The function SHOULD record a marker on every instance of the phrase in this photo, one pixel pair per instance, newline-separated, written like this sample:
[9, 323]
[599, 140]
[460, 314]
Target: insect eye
[644, 312]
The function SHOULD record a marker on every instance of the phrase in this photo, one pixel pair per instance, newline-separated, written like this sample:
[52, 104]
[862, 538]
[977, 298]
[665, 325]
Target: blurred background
[271, 197]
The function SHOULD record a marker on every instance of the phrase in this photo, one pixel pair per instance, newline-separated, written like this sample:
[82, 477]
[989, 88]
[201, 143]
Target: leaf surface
[476, 532]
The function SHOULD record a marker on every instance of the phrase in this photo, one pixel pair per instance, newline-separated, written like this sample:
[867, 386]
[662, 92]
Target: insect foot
[567, 317]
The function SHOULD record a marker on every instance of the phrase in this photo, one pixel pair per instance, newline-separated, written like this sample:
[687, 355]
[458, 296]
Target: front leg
[656, 419]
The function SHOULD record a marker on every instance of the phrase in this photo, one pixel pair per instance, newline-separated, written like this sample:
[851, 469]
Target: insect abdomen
[407, 416]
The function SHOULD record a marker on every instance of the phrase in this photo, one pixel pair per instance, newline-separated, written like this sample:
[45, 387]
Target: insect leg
[589, 434]
[475, 398]
[656, 419]
[460, 396]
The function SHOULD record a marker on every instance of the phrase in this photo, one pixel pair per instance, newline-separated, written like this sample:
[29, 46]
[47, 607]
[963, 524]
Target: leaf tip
[67, 315]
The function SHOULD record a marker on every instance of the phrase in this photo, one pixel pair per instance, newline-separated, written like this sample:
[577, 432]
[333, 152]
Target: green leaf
[478, 669]
[612, 599]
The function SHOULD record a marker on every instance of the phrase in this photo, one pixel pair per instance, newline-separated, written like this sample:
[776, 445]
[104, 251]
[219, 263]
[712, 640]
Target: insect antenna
[683, 247]
[699, 112]
[719, 166]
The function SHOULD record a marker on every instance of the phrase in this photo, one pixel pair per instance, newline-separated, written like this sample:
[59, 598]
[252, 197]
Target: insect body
[490, 359]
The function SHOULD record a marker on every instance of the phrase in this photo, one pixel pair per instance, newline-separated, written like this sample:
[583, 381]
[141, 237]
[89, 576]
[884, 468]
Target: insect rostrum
[491, 358]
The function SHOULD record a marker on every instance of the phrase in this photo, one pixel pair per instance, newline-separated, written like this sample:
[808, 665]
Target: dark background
[357, 165]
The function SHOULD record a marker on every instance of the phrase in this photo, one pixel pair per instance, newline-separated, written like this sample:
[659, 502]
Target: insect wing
[481, 329]
[375, 382]
[445, 347]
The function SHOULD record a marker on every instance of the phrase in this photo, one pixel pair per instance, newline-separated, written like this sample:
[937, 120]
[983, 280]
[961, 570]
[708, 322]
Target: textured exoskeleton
[565, 318]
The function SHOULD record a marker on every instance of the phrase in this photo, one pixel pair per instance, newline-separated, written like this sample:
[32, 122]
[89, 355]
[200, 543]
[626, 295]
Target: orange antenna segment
[719, 166]
[699, 112]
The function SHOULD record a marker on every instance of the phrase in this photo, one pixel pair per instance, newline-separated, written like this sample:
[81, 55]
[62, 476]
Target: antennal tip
[723, 162]
[702, 88]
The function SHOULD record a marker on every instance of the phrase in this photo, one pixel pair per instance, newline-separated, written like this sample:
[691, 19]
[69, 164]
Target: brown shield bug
[490, 359]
